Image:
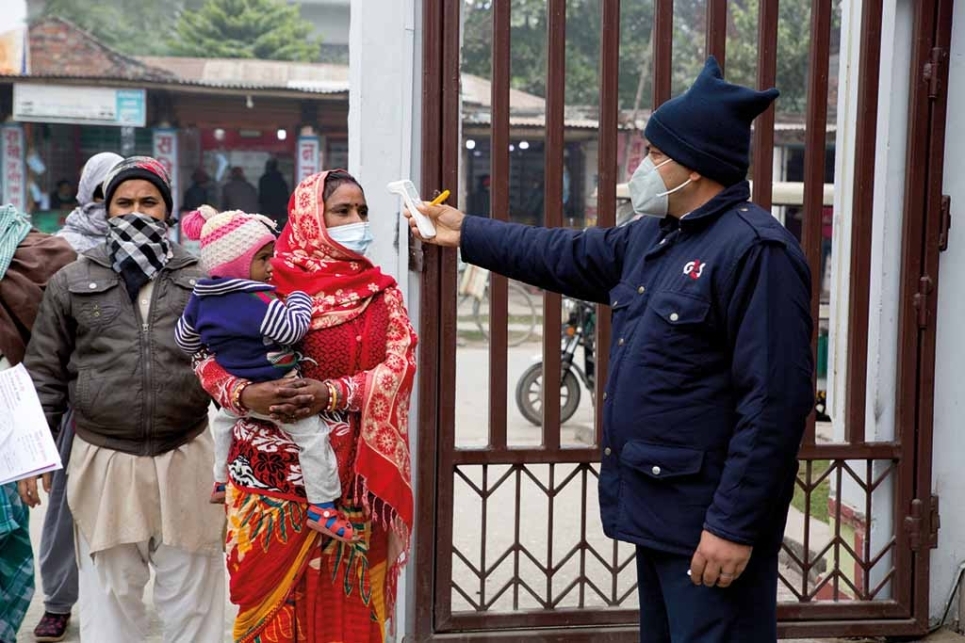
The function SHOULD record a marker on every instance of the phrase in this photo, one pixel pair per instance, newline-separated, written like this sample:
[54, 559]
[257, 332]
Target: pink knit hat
[229, 240]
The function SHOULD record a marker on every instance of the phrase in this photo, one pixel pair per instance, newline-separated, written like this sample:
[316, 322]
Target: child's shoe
[326, 518]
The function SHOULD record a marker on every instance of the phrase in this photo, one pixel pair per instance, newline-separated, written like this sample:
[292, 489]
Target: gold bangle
[332, 396]
[236, 397]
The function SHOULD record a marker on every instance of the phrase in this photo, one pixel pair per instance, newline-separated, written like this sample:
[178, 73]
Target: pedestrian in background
[201, 192]
[238, 194]
[273, 194]
[62, 197]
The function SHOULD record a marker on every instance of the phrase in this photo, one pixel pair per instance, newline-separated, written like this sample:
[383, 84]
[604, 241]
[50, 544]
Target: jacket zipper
[145, 352]
[146, 328]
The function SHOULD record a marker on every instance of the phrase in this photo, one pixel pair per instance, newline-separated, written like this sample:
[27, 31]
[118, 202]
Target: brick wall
[59, 48]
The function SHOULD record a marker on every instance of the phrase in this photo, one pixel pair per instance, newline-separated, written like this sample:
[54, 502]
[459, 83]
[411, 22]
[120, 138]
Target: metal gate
[509, 542]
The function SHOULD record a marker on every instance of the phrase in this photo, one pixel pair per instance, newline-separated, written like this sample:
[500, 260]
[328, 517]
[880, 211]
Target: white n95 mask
[647, 190]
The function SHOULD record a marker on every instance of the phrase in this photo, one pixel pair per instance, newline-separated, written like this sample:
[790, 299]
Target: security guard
[710, 379]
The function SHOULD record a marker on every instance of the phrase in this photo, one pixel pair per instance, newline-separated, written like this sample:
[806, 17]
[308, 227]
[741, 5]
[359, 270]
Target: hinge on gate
[920, 300]
[932, 71]
[913, 524]
[921, 519]
[945, 223]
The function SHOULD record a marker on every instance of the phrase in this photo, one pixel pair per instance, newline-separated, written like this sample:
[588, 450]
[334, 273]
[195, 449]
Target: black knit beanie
[707, 129]
[139, 167]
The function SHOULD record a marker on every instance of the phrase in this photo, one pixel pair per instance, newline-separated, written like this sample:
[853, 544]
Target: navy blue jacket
[710, 376]
[250, 330]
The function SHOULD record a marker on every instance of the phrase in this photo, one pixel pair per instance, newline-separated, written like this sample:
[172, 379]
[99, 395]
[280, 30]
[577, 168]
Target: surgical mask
[356, 237]
[648, 193]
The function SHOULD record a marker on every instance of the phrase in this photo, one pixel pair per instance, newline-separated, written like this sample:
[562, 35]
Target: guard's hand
[28, 490]
[718, 562]
[448, 222]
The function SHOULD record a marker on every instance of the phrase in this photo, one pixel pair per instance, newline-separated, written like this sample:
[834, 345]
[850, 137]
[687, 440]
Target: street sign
[307, 159]
[79, 105]
[13, 174]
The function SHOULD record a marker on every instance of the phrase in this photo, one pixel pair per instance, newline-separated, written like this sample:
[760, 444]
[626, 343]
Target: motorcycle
[579, 330]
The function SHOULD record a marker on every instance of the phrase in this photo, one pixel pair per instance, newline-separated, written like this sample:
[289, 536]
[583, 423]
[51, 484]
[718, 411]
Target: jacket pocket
[82, 400]
[95, 301]
[678, 336]
[661, 462]
[664, 495]
[680, 309]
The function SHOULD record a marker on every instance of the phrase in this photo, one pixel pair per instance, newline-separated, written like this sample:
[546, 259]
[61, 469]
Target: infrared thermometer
[410, 196]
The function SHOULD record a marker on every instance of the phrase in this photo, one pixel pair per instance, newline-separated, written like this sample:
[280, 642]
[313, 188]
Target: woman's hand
[448, 222]
[286, 400]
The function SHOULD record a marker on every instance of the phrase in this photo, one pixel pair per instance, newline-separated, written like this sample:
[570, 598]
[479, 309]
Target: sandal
[336, 525]
[52, 627]
[218, 494]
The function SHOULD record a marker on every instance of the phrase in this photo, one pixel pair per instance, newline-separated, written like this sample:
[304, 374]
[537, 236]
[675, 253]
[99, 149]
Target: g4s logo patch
[694, 269]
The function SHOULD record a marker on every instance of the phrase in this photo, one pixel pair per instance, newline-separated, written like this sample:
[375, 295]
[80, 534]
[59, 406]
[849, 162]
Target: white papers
[26, 446]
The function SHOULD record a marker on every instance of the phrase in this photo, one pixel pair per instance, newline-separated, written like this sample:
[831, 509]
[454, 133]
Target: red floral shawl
[342, 285]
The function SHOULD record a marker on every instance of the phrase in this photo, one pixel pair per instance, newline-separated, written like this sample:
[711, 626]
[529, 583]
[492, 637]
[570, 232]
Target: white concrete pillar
[385, 59]
[889, 188]
[949, 435]
[380, 121]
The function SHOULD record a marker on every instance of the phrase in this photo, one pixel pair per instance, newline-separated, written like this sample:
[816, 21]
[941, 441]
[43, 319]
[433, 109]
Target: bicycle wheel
[522, 315]
[529, 398]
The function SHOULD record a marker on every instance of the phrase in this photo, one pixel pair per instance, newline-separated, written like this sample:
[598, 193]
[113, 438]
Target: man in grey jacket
[85, 228]
[139, 471]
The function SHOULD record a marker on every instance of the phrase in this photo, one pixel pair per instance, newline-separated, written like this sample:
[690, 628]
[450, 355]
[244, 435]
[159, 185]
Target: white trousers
[189, 593]
[316, 456]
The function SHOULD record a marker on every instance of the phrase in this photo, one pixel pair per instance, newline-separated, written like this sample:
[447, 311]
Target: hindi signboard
[13, 174]
[166, 152]
[308, 161]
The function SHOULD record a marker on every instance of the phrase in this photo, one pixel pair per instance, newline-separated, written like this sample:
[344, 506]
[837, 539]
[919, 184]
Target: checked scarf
[139, 249]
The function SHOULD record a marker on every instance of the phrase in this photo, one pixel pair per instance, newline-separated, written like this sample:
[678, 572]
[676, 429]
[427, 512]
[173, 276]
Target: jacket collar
[725, 201]
[181, 259]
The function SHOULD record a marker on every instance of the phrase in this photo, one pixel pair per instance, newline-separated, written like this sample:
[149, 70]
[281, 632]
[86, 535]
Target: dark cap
[708, 128]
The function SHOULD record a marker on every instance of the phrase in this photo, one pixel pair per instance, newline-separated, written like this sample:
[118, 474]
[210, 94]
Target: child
[237, 316]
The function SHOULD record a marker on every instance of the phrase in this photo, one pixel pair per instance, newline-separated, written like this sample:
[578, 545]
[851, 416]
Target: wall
[60, 49]
[330, 19]
[948, 473]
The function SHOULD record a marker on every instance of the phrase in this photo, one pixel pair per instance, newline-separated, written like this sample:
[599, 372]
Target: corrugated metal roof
[485, 118]
[477, 91]
[243, 73]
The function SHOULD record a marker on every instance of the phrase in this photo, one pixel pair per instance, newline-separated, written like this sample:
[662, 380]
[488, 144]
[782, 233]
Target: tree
[264, 29]
[133, 27]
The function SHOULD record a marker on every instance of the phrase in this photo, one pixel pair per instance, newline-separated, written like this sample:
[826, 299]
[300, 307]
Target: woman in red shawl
[290, 582]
